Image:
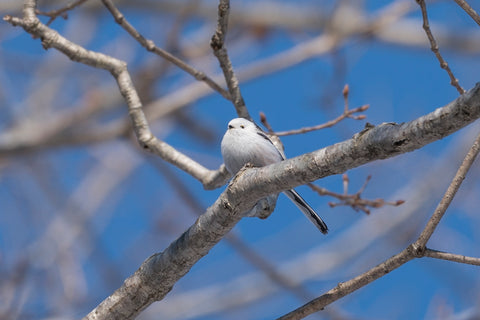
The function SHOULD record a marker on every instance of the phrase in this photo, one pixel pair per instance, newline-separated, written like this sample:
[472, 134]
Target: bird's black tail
[307, 210]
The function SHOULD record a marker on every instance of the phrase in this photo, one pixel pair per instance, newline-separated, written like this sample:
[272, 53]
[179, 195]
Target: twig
[436, 50]
[150, 46]
[354, 200]
[451, 257]
[266, 124]
[346, 114]
[345, 288]
[220, 51]
[414, 250]
[469, 10]
[54, 14]
[449, 195]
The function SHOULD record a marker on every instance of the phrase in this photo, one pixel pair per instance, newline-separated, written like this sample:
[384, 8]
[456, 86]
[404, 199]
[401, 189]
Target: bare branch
[329, 124]
[346, 114]
[15, 142]
[220, 51]
[469, 10]
[54, 14]
[354, 200]
[449, 195]
[451, 257]
[345, 288]
[435, 49]
[242, 248]
[150, 46]
[52, 39]
[160, 272]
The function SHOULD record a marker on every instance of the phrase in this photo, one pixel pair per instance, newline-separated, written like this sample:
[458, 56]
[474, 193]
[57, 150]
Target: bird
[244, 142]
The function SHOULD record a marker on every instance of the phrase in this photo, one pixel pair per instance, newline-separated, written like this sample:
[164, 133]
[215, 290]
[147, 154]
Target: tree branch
[150, 46]
[54, 14]
[52, 39]
[220, 51]
[345, 288]
[448, 197]
[469, 10]
[435, 49]
[451, 257]
[160, 272]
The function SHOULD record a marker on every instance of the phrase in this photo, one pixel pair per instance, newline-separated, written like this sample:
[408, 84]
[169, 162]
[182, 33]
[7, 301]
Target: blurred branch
[220, 51]
[51, 38]
[354, 200]
[150, 46]
[414, 250]
[49, 134]
[435, 49]
[442, 207]
[469, 10]
[160, 272]
[345, 288]
[451, 257]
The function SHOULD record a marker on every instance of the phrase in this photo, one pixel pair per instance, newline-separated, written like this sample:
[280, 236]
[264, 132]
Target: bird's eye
[242, 126]
[230, 126]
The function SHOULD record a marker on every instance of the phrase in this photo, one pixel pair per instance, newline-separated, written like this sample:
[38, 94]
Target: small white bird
[244, 142]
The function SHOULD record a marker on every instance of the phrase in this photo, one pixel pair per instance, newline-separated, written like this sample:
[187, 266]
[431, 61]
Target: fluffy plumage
[244, 142]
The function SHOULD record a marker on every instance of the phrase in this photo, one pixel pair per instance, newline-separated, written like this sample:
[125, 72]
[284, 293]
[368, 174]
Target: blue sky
[143, 213]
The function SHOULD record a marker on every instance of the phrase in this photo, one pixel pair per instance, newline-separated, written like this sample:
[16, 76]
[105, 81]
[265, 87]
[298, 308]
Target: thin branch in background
[354, 200]
[168, 104]
[414, 250]
[451, 257]
[449, 195]
[147, 78]
[217, 44]
[347, 113]
[62, 12]
[150, 46]
[118, 69]
[266, 124]
[435, 49]
[469, 10]
[334, 83]
[345, 288]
